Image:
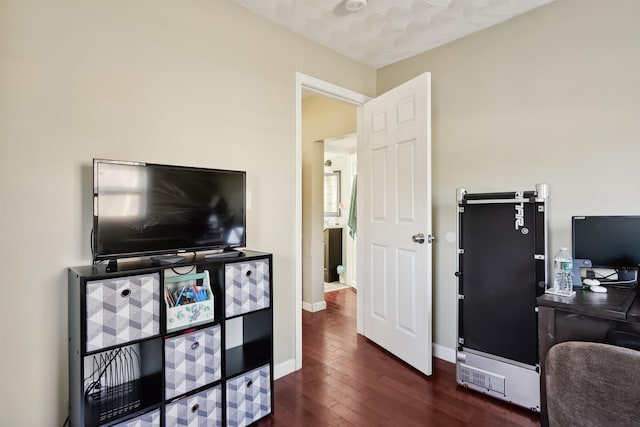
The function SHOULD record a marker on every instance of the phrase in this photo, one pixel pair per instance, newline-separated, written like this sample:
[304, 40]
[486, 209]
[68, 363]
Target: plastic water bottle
[562, 272]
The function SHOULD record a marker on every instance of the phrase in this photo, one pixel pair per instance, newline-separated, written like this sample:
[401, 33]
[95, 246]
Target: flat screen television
[611, 242]
[142, 209]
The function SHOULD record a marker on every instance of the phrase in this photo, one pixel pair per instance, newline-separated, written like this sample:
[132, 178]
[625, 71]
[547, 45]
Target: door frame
[328, 90]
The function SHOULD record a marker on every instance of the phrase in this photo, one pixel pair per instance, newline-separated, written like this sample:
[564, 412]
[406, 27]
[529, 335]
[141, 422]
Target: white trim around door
[329, 90]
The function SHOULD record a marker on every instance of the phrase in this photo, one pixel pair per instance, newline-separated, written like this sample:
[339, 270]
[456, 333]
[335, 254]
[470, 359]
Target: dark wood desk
[587, 316]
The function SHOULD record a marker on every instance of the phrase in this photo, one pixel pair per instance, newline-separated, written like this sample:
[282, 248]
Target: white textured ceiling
[387, 31]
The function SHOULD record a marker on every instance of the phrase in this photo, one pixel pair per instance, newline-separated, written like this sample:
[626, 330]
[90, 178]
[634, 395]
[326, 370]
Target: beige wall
[322, 118]
[552, 97]
[201, 83]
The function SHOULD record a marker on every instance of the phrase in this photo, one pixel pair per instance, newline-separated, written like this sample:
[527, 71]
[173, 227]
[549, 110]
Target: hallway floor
[335, 286]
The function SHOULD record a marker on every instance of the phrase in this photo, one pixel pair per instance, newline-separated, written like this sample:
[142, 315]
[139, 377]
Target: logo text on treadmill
[519, 222]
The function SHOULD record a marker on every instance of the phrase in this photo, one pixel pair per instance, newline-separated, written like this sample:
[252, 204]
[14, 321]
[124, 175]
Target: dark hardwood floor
[346, 380]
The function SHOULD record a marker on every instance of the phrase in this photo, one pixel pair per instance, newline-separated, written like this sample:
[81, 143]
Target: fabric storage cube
[150, 419]
[186, 309]
[246, 287]
[192, 360]
[249, 397]
[203, 409]
[122, 309]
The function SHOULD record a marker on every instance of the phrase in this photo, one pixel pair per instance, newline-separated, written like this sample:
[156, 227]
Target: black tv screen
[608, 241]
[145, 209]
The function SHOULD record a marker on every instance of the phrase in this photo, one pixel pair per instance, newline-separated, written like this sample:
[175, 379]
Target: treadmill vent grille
[480, 378]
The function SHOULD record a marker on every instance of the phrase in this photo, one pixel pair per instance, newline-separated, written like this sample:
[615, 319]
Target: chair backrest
[592, 384]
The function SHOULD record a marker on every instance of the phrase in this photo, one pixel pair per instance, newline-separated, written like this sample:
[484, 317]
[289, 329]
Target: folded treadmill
[502, 269]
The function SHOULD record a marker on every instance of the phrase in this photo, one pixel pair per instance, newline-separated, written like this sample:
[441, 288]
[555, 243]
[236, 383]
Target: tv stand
[226, 253]
[167, 259]
[138, 335]
[112, 266]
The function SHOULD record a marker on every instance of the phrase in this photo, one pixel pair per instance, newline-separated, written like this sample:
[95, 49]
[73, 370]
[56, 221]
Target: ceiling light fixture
[355, 5]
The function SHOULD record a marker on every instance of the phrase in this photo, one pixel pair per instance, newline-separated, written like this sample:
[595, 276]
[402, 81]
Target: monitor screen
[145, 209]
[608, 241]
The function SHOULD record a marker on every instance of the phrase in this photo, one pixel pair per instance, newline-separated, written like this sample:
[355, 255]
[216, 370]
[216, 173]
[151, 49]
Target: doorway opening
[309, 85]
[340, 212]
[393, 263]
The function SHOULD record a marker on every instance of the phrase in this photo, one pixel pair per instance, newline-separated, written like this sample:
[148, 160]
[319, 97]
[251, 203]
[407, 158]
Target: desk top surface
[616, 304]
[633, 315]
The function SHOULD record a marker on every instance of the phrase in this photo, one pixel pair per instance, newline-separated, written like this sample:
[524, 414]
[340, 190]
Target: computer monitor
[611, 242]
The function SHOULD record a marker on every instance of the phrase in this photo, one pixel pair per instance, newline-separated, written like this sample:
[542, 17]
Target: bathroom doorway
[339, 213]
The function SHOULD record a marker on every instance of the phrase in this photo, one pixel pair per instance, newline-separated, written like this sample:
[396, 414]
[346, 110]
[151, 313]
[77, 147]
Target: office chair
[592, 385]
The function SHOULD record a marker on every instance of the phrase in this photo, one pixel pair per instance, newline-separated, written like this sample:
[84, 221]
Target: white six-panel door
[395, 177]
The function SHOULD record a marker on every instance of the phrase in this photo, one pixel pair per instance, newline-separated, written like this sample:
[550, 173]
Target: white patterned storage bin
[122, 309]
[192, 360]
[150, 419]
[249, 397]
[200, 410]
[246, 287]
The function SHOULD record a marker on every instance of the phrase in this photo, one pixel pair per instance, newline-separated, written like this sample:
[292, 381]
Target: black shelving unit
[130, 350]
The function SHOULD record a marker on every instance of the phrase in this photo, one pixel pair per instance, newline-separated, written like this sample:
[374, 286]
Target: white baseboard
[319, 306]
[444, 353]
[284, 368]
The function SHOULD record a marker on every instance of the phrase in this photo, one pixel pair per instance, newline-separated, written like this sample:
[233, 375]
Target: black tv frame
[172, 250]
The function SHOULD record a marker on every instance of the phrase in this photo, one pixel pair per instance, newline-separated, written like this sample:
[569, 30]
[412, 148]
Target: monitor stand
[626, 275]
[576, 275]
